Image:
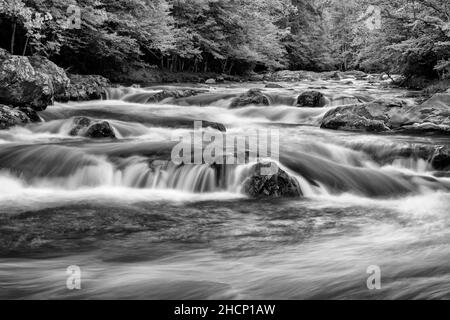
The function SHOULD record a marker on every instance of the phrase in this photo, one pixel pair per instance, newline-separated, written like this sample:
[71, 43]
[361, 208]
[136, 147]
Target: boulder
[86, 87]
[210, 81]
[441, 158]
[251, 97]
[21, 85]
[87, 127]
[278, 185]
[433, 116]
[311, 99]
[58, 76]
[10, 117]
[371, 117]
[173, 93]
[100, 130]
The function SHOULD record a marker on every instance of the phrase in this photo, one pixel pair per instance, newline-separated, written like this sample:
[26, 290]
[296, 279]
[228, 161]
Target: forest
[232, 36]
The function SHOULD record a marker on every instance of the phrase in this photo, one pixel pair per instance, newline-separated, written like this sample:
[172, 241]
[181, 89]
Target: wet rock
[437, 155]
[174, 93]
[433, 116]
[100, 130]
[311, 99]
[342, 100]
[278, 185]
[10, 117]
[210, 81]
[58, 76]
[372, 117]
[86, 127]
[214, 125]
[21, 85]
[273, 86]
[85, 87]
[441, 158]
[251, 97]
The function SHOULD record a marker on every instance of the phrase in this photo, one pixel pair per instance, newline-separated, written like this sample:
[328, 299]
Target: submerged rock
[10, 117]
[274, 86]
[86, 127]
[311, 99]
[210, 81]
[342, 100]
[436, 155]
[279, 185]
[251, 97]
[85, 87]
[21, 85]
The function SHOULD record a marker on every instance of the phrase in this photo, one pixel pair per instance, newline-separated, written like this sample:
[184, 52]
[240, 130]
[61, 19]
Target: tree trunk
[25, 47]
[13, 37]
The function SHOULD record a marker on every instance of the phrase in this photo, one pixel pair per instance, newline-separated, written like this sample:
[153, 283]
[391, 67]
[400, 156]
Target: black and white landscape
[224, 149]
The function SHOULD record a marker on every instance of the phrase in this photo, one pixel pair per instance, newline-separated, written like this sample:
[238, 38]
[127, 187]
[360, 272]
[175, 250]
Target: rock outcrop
[89, 128]
[251, 97]
[58, 76]
[21, 85]
[278, 185]
[10, 117]
[85, 87]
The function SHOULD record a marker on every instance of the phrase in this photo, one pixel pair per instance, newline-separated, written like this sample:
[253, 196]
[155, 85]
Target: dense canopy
[233, 36]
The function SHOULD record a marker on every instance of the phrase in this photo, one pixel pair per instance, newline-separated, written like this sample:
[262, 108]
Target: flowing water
[140, 227]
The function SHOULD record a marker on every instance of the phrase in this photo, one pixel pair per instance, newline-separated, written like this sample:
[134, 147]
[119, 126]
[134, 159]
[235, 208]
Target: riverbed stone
[90, 128]
[252, 97]
[278, 185]
[10, 117]
[311, 99]
[174, 93]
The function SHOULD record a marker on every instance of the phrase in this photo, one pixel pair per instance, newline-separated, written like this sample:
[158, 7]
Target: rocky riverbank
[31, 84]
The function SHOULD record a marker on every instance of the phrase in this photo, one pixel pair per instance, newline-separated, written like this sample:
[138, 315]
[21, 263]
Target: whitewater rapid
[141, 226]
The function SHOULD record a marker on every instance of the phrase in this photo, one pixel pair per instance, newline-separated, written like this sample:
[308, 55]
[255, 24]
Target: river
[180, 233]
